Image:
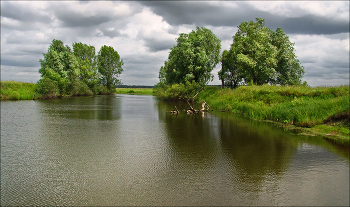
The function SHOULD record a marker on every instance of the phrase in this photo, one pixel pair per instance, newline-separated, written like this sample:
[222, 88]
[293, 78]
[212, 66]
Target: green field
[321, 110]
[139, 91]
[12, 90]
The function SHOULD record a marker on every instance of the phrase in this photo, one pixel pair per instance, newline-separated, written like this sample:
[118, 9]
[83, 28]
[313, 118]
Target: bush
[80, 88]
[48, 88]
[177, 91]
[102, 90]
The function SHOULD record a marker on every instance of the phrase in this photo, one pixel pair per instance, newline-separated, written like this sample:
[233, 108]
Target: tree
[110, 66]
[289, 71]
[254, 54]
[87, 60]
[264, 56]
[229, 74]
[59, 66]
[192, 59]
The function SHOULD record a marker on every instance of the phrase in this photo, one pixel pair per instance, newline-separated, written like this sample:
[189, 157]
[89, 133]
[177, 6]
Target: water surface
[129, 150]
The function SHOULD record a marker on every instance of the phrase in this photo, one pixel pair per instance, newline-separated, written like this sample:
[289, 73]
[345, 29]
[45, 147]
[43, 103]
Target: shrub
[48, 88]
[80, 88]
[177, 91]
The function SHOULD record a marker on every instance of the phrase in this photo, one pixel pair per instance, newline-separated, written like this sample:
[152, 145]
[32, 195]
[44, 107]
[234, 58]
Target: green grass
[139, 91]
[300, 106]
[11, 90]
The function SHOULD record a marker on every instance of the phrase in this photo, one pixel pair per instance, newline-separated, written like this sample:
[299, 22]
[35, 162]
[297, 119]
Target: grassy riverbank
[139, 91]
[12, 90]
[322, 110]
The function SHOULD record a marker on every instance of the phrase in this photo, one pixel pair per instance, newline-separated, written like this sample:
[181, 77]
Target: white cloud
[9, 22]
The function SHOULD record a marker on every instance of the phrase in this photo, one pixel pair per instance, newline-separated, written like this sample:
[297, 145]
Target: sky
[144, 31]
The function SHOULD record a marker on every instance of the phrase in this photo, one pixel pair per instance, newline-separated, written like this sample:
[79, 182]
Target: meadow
[138, 91]
[320, 110]
[12, 90]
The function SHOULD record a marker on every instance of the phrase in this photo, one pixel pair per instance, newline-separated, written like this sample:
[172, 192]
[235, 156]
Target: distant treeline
[133, 86]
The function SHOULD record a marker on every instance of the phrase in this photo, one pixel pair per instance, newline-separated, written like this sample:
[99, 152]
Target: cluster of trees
[79, 71]
[257, 56]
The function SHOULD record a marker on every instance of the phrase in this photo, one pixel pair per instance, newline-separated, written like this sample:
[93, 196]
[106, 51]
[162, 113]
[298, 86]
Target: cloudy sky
[144, 31]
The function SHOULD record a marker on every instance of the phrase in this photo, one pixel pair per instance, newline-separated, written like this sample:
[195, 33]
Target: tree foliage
[59, 65]
[289, 71]
[192, 59]
[87, 63]
[109, 66]
[229, 74]
[260, 55]
[67, 72]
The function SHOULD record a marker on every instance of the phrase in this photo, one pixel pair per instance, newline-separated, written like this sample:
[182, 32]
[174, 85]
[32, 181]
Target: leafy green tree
[60, 66]
[289, 71]
[264, 56]
[109, 66]
[192, 59]
[229, 74]
[87, 60]
[253, 52]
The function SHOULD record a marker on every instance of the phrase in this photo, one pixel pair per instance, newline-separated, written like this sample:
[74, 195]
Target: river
[129, 150]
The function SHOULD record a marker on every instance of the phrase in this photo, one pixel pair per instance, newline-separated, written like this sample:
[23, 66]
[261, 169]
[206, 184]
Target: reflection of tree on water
[256, 150]
[190, 139]
[96, 107]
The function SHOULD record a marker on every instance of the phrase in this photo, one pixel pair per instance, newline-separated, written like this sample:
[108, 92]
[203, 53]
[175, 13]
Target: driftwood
[191, 110]
[205, 106]
[175, 111]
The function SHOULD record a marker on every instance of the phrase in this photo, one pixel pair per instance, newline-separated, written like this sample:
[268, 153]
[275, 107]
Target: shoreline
[332, 128]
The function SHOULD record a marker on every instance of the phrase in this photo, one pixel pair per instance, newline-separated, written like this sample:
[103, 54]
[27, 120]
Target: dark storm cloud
[110, 33]
[21, 61]
[336, 64]
[71, 19]
[22, 13]
[155, 45]
[202, 14]
[141, 61]
[309, 24]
